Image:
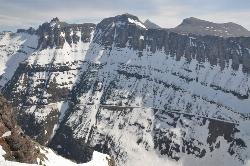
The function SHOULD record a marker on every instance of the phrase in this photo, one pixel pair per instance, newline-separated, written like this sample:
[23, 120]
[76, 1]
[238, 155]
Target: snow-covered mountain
[18, 149]
[143, 96]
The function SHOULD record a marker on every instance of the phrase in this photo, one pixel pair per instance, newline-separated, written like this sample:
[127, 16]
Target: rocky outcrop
[15, 143]
[217, 50]
[30, 31]
[56, 33]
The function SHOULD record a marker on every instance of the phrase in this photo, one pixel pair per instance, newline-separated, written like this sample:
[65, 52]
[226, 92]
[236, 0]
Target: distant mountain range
[201, 27]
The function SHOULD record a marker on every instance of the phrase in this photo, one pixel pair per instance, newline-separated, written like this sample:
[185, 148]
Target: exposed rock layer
[129, 91]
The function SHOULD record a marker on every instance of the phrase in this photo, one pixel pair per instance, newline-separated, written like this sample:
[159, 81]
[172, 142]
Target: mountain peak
[194, 20]
[121, 21]
[127, 15]
[129, 19]
[56, 19]
[150, 25]
[197, 26]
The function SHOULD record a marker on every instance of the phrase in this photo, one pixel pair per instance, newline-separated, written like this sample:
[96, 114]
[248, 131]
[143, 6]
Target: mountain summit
[201, 27]
[150, 25]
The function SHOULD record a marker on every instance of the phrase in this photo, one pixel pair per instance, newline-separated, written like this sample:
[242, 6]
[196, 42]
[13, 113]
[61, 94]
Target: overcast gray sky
[166, 13]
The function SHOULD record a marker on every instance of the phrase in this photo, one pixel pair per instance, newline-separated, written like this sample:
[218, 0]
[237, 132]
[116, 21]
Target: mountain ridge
[202, 27]
[18, 149]
[129, 91]
[151, 25]
[191, 25]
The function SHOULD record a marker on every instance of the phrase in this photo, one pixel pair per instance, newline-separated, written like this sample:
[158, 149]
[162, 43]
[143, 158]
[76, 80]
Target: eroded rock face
[54, 77]
[15, 143]
[56, 33]
[119, 32]
[131, 92]
[16, 147]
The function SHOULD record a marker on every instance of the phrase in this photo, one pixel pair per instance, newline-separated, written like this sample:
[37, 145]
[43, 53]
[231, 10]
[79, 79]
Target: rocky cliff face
[56, 33]
[135, 93]
[14, 142]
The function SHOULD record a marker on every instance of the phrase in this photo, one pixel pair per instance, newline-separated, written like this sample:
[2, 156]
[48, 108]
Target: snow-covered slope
[143, 96]
[52, 159]
[14, 48]
[16, 148]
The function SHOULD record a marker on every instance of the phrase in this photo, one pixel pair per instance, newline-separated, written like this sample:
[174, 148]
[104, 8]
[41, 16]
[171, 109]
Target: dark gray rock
[56, 33]
[29, 31]
[118, 32]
